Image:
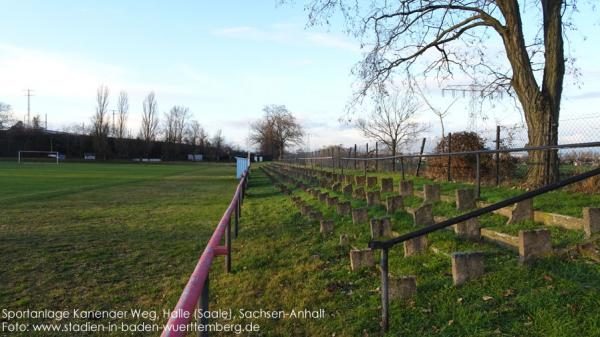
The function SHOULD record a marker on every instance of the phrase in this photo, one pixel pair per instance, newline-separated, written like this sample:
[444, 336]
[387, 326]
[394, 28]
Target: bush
[464, 167]
[590, 185]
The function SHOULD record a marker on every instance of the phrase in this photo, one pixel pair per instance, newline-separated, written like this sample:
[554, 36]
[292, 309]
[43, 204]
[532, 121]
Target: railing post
[340, 160]
[449, 143]
[203, 305]
[228, 245]
[385, 300]
[376, 155]
[237, 217]
[366, 156]
[242, 193]
[355, 156]
[478, 176]
[332, 160]
[420, 157]
[497, 155]
[402, 166]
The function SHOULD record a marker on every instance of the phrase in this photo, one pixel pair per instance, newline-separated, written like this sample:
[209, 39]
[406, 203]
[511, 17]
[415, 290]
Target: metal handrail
[195, 292]
[387, 244]
[463, 153]
[481, 211]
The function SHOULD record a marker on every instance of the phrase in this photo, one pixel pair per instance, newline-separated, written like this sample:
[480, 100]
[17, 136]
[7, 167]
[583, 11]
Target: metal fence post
[449, 143]
[366, 156]
[237, 217]
[203, 305]
[376, 155]
[332, 159]
[355, 156]
[420, 158]
[339, 151]
[478, 176]
[385, 301]
[402, 166]
[228, 244]
[497, 155]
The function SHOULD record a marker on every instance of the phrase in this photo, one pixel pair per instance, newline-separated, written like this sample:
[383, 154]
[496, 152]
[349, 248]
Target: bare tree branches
[175, 124]
[448, 36]
[123, 111]
[438, 112]
[5, 115]
[392, 121]
[196, 135]
[149, 127]
[100, 122]
[276, 130]
[100, 119]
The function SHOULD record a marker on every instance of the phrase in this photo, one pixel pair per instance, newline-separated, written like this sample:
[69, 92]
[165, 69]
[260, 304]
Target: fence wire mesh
[572, 130]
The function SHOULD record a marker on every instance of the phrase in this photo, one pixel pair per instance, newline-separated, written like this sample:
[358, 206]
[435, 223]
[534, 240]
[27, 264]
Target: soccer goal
[38, 157]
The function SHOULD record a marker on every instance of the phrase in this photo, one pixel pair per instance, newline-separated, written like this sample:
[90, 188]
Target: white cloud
[288, 34]
[52, 73]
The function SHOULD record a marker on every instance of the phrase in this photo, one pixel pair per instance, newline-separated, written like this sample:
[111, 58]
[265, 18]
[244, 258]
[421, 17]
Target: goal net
[39, 157]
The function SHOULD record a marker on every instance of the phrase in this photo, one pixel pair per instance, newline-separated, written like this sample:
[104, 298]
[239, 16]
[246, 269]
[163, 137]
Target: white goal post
[50, 154]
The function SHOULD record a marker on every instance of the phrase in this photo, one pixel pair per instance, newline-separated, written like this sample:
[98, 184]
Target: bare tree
[123, 112]
[100, 122]
[451, 36]
[217, 143]
[5, 115]
[149, 128]
[392, 121]
[195, 135]
[277, 130]
[441, 114]
[175, 124]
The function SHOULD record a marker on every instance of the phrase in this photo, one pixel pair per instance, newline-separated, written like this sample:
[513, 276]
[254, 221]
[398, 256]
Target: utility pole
[114, 130]
[29, 94]
[46, 123]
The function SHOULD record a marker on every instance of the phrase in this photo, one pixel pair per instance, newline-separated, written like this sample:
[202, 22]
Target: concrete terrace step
[549, 219]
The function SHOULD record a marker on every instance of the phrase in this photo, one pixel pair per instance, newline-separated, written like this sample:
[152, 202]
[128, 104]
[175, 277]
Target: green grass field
[120, 236]
[105, 236]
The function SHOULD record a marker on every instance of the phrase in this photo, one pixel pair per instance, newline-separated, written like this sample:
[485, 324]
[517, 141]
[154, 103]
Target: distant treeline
[74, 146]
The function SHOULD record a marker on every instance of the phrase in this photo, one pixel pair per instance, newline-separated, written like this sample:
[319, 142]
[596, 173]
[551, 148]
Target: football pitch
[105, 236]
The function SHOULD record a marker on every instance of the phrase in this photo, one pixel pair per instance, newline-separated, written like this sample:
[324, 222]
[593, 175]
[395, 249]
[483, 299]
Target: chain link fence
[512, 167]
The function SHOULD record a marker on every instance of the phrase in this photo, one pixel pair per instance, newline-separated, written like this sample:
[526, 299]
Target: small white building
[195, 157]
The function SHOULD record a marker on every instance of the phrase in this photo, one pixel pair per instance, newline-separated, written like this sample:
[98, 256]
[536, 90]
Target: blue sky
[223, 59]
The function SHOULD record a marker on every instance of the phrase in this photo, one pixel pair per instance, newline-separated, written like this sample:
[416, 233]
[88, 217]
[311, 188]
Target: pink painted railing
[195, 292]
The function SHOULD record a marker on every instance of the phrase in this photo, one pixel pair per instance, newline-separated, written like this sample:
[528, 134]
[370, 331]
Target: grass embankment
[105, 236]
[282, 262]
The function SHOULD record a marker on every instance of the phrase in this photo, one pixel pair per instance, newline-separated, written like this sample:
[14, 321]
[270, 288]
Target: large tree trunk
[542, 166]
[541, 106]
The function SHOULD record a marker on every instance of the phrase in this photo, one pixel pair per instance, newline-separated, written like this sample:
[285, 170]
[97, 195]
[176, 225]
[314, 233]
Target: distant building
[195, 157]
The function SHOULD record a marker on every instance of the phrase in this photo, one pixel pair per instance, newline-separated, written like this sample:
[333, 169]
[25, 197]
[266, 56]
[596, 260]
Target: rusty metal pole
[339, 153]
[376, 155]
[420, 158]
[497, 155]
[385, 300]
[478, 176]
[237, 218]
[203, 305]
[402, 167]
[366, 156]
[228, 244]
[355, 156]
[449, 143]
